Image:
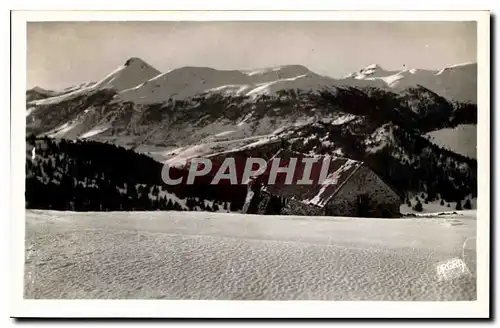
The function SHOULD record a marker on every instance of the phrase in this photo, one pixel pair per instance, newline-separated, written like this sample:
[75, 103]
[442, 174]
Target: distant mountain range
[138, 82]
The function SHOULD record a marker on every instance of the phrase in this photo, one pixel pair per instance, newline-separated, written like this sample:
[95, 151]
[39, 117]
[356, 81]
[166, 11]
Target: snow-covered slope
[380, 138]
[200, 255]
[133, 72]
[130, 74]
[461, 139]
[456, 83]
[61, 97]
[76, 87]
[371, 72]
[187, 82]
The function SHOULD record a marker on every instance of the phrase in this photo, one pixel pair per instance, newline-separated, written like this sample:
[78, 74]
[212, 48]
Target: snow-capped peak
[135, 61]
[455, 82]
[372, 66]
[373, 70]
[457, 66]
[132, 73]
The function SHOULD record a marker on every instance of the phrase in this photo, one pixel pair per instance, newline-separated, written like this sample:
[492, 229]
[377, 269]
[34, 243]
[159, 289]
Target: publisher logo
[456, 267]
[242, 170]
[452, 269]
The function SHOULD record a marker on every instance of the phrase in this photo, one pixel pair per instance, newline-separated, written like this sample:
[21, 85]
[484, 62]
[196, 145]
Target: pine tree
[209, 208]
[131, 191]
[467, 204]
[418, 207]
[459, 205]
[190, 203]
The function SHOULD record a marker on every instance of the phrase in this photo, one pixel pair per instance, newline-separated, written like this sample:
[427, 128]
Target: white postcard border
[269, 309]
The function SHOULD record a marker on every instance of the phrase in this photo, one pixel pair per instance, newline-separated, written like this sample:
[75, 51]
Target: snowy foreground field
[201, 255]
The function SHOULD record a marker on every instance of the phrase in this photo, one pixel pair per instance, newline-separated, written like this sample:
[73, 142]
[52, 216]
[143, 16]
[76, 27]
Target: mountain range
[139, 82]
[389, 119]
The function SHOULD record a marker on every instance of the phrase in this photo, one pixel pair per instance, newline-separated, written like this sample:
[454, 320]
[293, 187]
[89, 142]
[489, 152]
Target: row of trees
[93, 176]
[419, 207]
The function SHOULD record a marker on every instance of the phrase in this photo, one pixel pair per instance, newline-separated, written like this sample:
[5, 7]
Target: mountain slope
[461, 139]
[38, 93]
[187, 82]
[177, 123]
[129, 75]
[455, 83]
[133, 72]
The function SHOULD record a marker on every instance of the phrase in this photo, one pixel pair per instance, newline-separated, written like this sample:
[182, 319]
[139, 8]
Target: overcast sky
[61, 54]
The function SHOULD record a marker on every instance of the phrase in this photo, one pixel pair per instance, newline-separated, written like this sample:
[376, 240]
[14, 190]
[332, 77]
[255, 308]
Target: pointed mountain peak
[134, 61]
[371, 70]
[373, 66]
[134, 72]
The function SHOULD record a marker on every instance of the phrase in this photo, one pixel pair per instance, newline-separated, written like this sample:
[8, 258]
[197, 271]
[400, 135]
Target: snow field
[198, 255]
[461, 139]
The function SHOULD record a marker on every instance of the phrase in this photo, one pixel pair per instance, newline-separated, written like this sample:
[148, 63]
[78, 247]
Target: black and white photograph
[253, 159]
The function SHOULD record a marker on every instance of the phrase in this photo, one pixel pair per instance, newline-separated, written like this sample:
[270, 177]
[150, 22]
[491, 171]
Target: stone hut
[351, 189]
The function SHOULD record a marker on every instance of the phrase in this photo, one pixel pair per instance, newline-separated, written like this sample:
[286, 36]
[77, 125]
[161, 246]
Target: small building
[351, 189]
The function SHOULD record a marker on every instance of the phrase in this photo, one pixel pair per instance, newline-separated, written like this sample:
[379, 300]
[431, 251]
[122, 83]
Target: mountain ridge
[139, 82]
